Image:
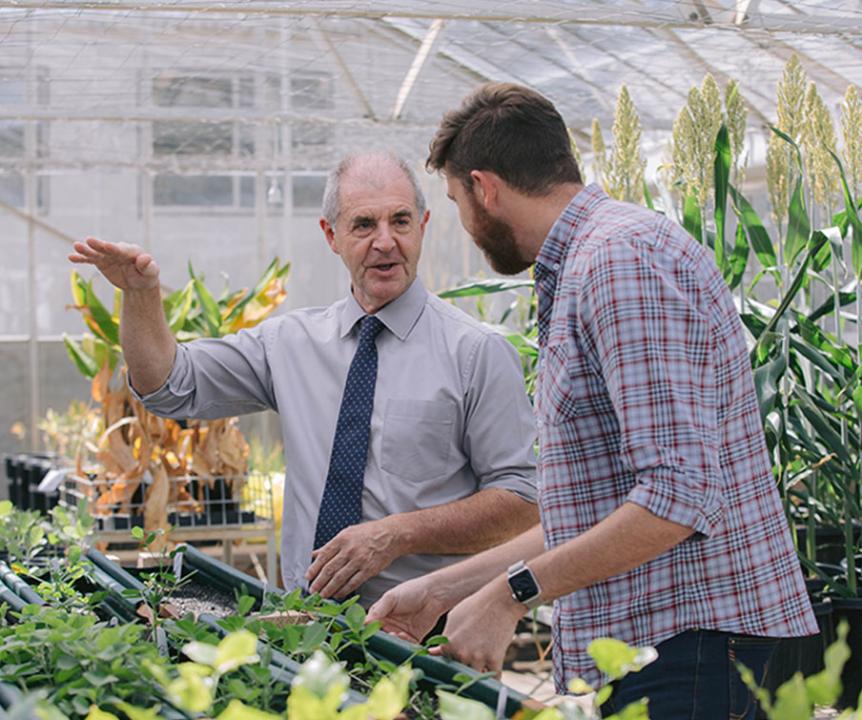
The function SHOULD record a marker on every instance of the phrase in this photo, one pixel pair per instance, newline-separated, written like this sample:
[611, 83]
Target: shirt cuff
[179, 383]
[679, 497]
[523, 487]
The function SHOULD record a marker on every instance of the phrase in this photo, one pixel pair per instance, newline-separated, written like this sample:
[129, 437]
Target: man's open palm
[127, 267]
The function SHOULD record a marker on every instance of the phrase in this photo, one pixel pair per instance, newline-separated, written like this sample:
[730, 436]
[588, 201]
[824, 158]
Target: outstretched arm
[148, 345]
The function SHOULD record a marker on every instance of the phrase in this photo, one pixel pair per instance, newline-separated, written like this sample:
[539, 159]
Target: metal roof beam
[416, 66]
[484, 10]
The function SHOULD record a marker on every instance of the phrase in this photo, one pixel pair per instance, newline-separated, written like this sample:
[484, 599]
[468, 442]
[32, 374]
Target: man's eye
[363, 225]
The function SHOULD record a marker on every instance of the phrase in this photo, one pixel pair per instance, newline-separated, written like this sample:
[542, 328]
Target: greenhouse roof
[399, 65]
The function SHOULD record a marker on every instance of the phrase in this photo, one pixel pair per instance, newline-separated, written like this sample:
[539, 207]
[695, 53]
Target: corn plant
[134, 441]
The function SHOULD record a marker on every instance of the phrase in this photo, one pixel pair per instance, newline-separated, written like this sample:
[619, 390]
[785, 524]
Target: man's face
[494, 237]
[378, 233]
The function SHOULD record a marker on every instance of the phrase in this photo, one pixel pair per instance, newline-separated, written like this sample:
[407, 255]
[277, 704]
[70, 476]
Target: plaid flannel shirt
[645, 395]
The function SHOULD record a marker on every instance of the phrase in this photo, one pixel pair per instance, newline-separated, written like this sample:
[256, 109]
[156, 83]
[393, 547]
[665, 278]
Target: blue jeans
[695, 677]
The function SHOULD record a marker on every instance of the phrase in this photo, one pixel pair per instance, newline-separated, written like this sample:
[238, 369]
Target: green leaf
[237, 648]
[313, 635]
[244, 605]
[455, 707]
[390, 695]
[209, 308]
[5, 507]
[791, 700]
[236, 710]
[721, 173]
[355, 617]
[754, 228]
[138, 533]
[85, 364]
[798, 225]
[616, 659]
[852, 219]
[484, 287]
[96, 714]
[691, 219]
[648, 197]
[105, 325]
[738, 261]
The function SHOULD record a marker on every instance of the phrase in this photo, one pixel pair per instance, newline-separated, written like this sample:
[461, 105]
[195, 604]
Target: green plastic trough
[438, 670]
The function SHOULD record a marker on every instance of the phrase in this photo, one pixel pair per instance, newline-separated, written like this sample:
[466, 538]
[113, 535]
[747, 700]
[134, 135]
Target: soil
[197, 599]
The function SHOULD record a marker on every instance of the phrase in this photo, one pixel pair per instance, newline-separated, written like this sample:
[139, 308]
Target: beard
[496, 239]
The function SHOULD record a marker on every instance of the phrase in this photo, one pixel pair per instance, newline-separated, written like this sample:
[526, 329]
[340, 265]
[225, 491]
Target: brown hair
[510, 130]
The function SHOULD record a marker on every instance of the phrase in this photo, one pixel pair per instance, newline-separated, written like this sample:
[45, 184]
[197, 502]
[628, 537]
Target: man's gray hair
[332, 192]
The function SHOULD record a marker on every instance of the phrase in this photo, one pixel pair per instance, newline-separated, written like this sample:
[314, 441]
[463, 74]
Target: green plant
[796, 698]
[134, 441]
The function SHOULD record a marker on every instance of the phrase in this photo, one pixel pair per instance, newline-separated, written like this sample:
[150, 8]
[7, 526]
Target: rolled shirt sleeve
[654, 350]
[499, 435]
[215, 377]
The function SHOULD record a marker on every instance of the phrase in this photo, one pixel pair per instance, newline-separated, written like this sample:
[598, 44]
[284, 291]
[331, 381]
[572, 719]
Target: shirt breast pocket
[417, 438]
[559, 393]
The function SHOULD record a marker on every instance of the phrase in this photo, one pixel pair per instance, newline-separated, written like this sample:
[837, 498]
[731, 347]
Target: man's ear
[486, 188]
[423, 221]
[329, 233]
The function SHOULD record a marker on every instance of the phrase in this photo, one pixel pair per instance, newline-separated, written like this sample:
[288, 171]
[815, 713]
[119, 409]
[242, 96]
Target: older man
[407, 432]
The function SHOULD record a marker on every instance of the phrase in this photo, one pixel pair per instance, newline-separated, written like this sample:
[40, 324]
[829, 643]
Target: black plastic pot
[829, 542]
[13, 465]
[850, 609]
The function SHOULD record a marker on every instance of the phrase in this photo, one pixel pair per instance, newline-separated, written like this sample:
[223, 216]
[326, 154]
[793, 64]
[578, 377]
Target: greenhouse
[613, 415]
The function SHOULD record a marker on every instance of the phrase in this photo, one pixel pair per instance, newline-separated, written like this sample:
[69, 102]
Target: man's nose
[384, 240]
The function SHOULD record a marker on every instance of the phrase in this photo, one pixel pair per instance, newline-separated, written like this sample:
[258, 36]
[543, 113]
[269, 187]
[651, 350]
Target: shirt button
[556, 266]
[540, 423]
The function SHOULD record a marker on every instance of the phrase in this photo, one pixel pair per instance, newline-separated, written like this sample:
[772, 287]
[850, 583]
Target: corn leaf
[85, 364]
[721, 173]
[754, 228]
[852, 220]
[484, 287]
[691, 218]
[209, 308]
[738, 260]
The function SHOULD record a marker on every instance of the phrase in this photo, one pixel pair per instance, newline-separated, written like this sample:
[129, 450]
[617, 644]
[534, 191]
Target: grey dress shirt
[450, 413]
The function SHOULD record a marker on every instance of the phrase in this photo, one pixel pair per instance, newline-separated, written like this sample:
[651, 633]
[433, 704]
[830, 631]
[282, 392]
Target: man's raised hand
[125, 266]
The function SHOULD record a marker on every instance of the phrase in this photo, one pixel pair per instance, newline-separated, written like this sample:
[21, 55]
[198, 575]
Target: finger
[321, 561]
[146, 265]
[380, 610]
[328, 571]
[343, 583]
[353, 584]
[80, 259]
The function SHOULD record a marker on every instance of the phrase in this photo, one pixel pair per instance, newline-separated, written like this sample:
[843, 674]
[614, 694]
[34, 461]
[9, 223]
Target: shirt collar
[564, 232]
[399, 316]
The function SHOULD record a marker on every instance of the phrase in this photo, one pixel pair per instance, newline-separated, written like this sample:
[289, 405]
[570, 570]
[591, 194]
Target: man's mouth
[384, 267]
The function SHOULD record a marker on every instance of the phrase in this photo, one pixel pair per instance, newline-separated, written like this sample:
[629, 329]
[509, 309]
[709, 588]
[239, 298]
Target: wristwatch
[525, 588]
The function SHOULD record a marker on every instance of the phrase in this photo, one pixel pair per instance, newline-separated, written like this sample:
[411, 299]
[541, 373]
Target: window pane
[310, 133]
[11, 139]
[311, 92]
[308, 190]
[193, 92]
[182, 138]
[206, 190]
[13, 90]
[246, 192]
[12, 188]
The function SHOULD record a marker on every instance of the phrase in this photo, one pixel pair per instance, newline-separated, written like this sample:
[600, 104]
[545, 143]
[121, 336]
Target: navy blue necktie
[342, 497]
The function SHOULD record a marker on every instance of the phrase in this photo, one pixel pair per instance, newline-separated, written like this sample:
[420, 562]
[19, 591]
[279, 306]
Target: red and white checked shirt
[645, 395]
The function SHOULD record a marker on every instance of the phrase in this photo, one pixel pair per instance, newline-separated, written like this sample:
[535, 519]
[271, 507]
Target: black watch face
[523, 586]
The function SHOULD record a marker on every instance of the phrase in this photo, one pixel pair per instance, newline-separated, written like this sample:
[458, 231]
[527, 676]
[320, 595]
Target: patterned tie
[342, 497]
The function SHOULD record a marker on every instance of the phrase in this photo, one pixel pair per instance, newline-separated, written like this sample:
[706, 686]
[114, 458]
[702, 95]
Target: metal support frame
[330, 46]
[416, 66]
[540, 12]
